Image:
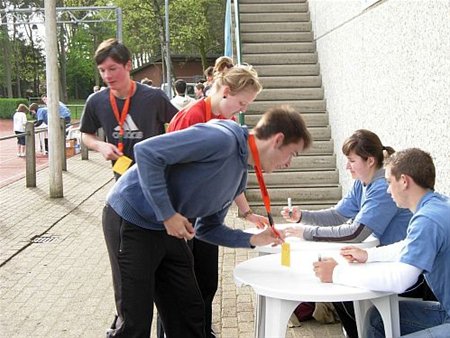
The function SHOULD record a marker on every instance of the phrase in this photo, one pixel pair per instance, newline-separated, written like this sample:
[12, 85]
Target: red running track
[12, 168]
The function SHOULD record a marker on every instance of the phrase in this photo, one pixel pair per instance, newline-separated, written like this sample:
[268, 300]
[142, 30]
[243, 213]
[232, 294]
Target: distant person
[128, 112]
[198, 90]
[19, 121]
[411, 177]
[209, 75]
[64, 112]
[96, 89]
[181, 99]
[41, 116]
[147, 81]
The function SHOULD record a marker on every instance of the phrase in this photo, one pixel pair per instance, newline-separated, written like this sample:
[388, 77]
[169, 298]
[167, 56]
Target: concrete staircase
[277, 39]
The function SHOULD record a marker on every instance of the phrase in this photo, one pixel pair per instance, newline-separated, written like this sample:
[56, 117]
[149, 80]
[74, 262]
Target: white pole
[54, 132]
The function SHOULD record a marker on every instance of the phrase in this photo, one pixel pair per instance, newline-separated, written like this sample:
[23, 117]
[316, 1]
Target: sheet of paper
[122, 164]
[286, 254]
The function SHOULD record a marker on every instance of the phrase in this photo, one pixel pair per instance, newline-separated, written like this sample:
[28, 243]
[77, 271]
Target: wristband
[247, 213]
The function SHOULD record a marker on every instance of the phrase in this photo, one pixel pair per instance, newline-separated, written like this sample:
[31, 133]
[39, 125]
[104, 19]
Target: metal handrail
[237, 40]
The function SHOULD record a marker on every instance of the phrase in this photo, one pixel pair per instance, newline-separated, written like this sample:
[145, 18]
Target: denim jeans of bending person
[417, 319]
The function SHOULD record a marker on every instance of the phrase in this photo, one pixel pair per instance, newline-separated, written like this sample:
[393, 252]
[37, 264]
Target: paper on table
[122, 164]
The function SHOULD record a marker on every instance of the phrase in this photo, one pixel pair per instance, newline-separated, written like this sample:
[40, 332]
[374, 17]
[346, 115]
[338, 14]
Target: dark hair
[365, 144]
[180, 86]
[114, 49]
[415, 163]
[283, 119]
[200, 86]
[34, 107]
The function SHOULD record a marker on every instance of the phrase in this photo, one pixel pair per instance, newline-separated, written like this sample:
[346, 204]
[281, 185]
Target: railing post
[62, 125]
[83, 149]
[30, 157]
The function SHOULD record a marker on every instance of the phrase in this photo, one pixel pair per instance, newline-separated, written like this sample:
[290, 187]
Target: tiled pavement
[62, 286]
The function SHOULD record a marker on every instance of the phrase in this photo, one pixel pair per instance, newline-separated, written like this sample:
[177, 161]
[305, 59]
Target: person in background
[366, 209]
[19, 121]
[96, 89]
[147, 81]
[64, 112]
[128, 112]
[41, 115]
[209, 76]
[181, 99]
[232, 92]
[410, 174]
[199, 89]
[193, 173]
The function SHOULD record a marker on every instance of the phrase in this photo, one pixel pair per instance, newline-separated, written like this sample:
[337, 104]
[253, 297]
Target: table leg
[388, 308]
[277, 314]
[260, 312]
[361, 308]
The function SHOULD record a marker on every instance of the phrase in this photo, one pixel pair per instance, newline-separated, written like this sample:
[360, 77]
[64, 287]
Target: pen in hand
[290, 206]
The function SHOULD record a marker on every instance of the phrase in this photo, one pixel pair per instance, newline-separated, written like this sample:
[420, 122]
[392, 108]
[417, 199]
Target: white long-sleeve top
[382, 272]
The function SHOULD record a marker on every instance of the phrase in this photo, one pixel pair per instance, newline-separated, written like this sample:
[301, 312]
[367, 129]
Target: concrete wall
[387, 68]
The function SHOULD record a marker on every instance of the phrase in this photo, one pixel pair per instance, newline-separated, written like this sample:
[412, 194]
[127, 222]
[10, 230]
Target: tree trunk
[7, 59]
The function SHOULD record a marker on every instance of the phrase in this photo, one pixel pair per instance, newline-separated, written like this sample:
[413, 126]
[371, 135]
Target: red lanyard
[123, 114]
[208, 113]
[262, 184]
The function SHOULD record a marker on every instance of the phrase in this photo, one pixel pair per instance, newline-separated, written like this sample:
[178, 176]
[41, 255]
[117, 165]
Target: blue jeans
[418, 318]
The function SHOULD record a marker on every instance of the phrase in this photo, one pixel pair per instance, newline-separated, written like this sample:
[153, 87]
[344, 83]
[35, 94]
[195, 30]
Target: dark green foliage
[8, 107]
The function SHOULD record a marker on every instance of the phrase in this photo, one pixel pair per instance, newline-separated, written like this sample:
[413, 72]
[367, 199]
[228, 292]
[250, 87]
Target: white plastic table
[280, 289]
[299, 244]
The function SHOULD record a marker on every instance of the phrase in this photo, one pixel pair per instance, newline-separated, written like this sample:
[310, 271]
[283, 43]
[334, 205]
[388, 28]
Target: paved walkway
[55, 278]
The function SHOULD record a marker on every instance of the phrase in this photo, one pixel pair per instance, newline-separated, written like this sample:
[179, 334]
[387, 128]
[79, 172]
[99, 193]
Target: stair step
[259, 107]
[321, 147]
[275, 27]
[317, 133]
[292, 179]
[276, 47]
[274, 17]
[269, 1]
[278, 94]
[297, 194]
[286, 70]
[273, 8]
[281, 59]
[266, 37]
[290, 81]
[314, 162]
[319, 119]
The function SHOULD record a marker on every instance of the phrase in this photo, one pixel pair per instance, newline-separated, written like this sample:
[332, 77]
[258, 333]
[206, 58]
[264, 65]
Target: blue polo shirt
[428, 244]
